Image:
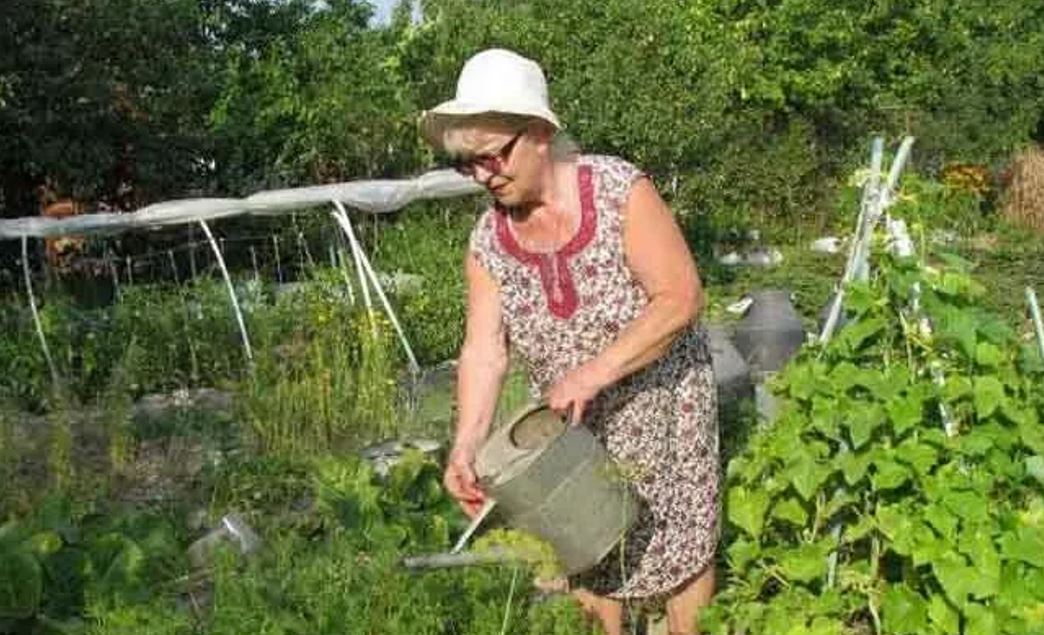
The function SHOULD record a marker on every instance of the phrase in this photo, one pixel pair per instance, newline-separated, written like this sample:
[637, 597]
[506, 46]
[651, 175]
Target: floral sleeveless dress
[660, 424]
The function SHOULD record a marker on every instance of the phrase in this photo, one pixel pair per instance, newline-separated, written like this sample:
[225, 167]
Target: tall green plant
[328, 379]
[932, 532]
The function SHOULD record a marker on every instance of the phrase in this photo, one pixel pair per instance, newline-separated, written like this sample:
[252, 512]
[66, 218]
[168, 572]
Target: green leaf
[956, 388]
[959, 326]
[978, 545]
[1035, 468]
[853, 466]
[747, 510]
[21, 584]
[742, 552]
[855, 336]
[981, 620]
[988, 395]
[1025, 544]
[825, 415]
[806, 476]
[944, 616]
[892, 520]
[805, 563]
[862, 422]
[791, 511]
[905, 413]
[973, 507]
[941, 520]
[919, 455]
[889, 474]
[856, 532]
[843, 377]
[904, 611]
[988, 355]
[956, 578]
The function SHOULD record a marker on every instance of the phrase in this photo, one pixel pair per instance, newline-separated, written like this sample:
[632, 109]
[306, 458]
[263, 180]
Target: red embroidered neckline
[557, 281]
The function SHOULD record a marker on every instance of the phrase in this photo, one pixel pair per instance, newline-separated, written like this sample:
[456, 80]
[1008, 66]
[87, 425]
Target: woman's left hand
[571, 394]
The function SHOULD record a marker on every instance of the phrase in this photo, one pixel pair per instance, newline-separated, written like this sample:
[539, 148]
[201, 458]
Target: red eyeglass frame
[493, 163]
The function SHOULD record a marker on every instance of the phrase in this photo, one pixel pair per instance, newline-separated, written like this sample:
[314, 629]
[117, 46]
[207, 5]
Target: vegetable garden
[160, 479]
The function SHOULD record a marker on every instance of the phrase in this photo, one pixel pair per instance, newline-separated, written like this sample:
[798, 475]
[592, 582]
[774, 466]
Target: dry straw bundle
[1024, 200]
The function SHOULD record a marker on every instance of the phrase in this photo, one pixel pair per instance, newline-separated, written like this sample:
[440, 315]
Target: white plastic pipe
[346, 227]
[870, 198]
[1038, 325]
[342, 218]
[35, 312]
[231, 291]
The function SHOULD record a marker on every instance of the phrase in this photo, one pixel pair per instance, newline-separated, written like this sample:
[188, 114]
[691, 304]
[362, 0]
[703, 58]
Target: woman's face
[509, 163]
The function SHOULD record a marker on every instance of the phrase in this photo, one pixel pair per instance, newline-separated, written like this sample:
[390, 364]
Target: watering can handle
[487, 507]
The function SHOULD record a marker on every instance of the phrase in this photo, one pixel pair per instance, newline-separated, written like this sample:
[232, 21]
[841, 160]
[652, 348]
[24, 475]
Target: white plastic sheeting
[377, 197]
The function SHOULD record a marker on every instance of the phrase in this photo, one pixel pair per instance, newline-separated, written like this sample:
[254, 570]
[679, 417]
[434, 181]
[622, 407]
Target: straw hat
[493, 81]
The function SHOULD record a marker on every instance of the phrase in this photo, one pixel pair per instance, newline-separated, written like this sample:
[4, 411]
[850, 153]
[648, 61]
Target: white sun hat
[492, 81]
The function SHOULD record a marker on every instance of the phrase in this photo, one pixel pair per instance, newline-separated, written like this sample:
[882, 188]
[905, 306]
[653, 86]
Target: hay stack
[1024, 200]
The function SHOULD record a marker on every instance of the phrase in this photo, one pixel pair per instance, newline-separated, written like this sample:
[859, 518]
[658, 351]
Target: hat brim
[434, 122]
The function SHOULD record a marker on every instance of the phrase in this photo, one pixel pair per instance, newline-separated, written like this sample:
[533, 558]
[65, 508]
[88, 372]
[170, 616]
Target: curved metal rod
[342, 218]
[231, 290]
[35, 312]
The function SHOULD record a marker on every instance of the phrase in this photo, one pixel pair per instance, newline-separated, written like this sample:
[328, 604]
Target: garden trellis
[372, 196]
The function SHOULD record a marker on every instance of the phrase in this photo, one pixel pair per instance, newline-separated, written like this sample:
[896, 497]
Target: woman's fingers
[462, 484]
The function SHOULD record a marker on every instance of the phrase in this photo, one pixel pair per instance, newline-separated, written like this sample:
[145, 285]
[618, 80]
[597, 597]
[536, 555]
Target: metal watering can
[557, 482]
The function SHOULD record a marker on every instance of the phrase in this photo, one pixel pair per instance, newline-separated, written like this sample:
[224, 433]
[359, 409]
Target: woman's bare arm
[483, 359]
[661, 261]
[480, 372]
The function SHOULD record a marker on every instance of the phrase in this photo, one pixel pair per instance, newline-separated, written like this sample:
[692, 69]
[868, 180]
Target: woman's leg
[684, 606]
[608, 611]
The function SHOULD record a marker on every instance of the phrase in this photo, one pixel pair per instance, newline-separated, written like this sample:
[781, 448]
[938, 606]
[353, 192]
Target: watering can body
[557, 482]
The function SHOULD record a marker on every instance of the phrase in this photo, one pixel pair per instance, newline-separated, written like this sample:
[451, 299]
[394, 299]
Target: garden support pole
[115, 276]
[231, 290]
[346, 226]
[342, 217]
[869, 198]
[1038, 325]
[35, 312]
[278, 262]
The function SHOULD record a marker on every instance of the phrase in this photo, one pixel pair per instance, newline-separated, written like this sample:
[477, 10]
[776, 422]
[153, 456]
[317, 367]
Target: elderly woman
[580, 268]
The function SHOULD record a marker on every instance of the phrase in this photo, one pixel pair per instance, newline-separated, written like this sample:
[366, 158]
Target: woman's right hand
[462, 483]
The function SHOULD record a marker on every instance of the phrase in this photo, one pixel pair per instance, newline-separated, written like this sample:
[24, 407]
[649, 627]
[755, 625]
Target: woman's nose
[482, 175]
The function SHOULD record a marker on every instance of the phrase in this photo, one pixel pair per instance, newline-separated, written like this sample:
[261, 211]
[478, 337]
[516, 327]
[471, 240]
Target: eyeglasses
[493, 163]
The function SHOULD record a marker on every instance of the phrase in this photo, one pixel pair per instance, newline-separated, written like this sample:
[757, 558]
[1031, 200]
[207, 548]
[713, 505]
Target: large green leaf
[1025, 543]
[919, 455]
[21, 584]
[981, 620]
[806, 475]
[988, 394]
[978, 545]
[742, 552]
[747, 509]
[904, 610]
[1035, 467]
[862, 420]
[943, 615]
[889, 474]
[806, 562]
[956, 578]
[905, 412]
[988, 355]
[790, 510]
[853, 465]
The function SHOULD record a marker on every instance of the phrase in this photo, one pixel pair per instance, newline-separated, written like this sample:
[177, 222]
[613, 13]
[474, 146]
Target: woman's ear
[540, 131]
